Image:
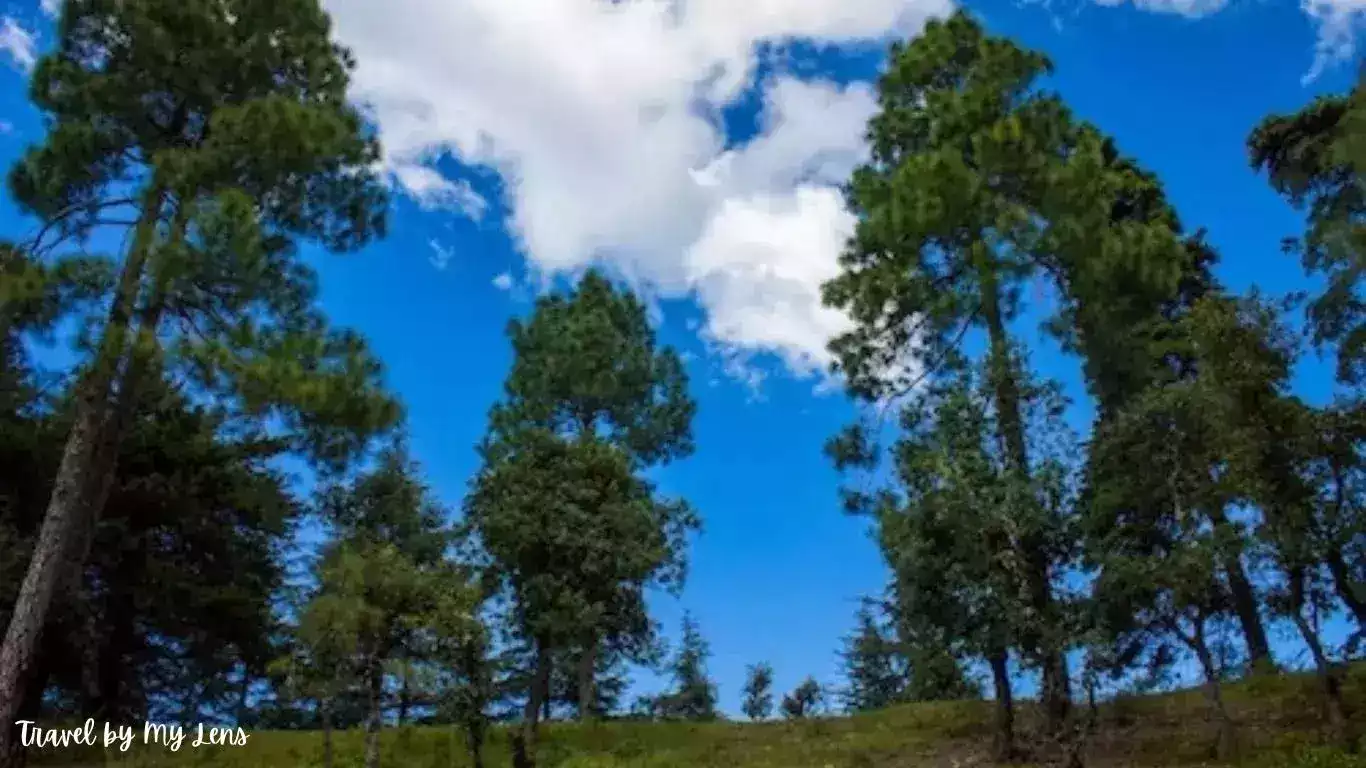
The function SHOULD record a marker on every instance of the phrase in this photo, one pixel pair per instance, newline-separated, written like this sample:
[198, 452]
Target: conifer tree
[694, 694]
[874, 670]
[221, 130]
[980, 182]
[575, 534]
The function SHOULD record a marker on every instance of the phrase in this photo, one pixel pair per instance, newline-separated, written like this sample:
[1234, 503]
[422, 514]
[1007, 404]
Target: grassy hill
[1278, 717]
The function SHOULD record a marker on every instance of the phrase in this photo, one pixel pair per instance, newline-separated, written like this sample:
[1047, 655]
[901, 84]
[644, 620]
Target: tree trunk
[524, 746]
[1245, 604]
[375, 684]
[325, 713]
[547, 701]
[1010, 418]
[473, 666]
[1224, 746]
[587, 678]
[405, 697]
[1348, 590]
[474, 742]
[243, 695]
[1329, 681]
[1004, 746]
[32, 707]
[62, 521]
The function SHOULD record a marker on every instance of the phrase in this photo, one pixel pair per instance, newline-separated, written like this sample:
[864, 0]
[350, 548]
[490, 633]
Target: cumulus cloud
[602, 120]
[18, 43]
[50, 8]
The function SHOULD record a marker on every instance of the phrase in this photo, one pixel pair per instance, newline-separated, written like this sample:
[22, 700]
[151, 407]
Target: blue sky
[698, 160]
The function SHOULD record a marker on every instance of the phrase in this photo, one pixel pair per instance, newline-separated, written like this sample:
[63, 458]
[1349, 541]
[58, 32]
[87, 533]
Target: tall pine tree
[222, 129]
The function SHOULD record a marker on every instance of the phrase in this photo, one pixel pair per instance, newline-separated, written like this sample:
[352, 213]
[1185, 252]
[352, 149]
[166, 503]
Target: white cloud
[50, 8]
[601, 119]
[1192, 9]
[19, 43]
[503, 282]
[1338, 22]
[434, 191]
[441, 255]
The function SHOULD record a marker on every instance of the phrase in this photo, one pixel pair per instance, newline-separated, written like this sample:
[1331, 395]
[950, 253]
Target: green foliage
[804, 701]
[873, 668]
[758, 691]
[388, 603]
[587, 366]
[694, 694]
[199, 516]
[1317, 160]
[574, 534]
[228, 123]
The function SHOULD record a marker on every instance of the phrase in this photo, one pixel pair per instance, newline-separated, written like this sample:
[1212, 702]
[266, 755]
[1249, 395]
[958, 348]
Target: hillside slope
[1278, 726]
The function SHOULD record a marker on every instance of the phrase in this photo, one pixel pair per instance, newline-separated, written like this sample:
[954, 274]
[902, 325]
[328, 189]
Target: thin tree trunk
[405, 697]
[524, 748]
[1328, 677]
[62, 520]
[1348, 590]
[325, 712]
[473, 666]
[243, 694]
[1053, 664]
[1225, 745]
[375, 680]
[1245, 604]
[547, 701]
[587, 678]
[474, 742]
[1004, 746]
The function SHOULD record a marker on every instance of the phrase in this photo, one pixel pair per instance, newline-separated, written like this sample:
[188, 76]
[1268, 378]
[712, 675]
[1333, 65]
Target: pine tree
[576, 535]
[1316, 158]
[384, 583]
[694, 694]
[979, 182]
[222, 130]
[874, 669]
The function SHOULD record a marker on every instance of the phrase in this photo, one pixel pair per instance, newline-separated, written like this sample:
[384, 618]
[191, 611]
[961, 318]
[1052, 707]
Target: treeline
[147, 530]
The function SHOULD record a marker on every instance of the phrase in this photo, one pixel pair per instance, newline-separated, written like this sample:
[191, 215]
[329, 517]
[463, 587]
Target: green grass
[1279, 727]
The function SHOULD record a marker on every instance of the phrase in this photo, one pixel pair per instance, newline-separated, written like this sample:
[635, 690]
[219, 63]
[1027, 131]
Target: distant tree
[694, 694]
[385, 585]
[804, 701]
[758, 692]
[874, 667]
[215, 134]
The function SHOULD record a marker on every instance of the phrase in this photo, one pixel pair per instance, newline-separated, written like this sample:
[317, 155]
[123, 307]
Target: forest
[148, 529]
